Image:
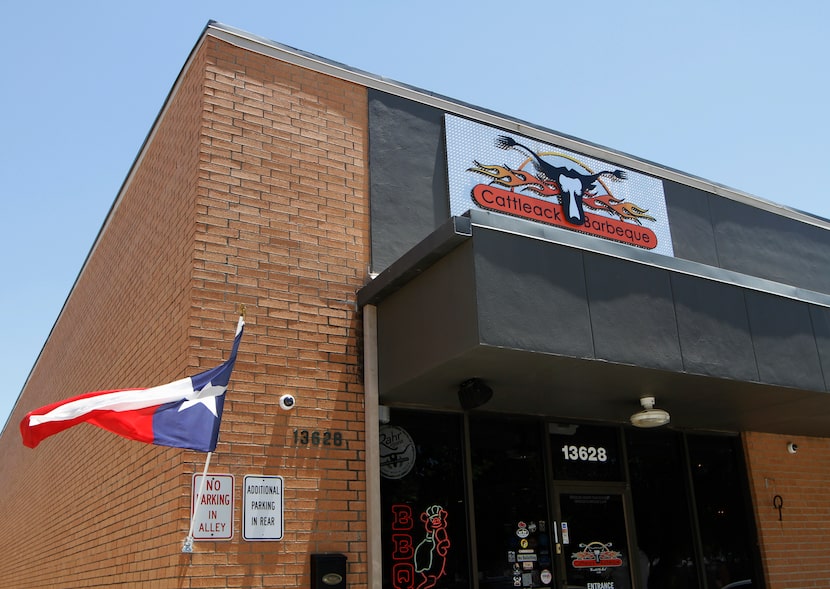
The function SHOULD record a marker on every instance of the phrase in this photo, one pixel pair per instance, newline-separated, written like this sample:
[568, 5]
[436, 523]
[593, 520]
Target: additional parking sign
[262, 508]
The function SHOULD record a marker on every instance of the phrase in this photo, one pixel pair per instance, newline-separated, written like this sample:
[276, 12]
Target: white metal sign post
[213, 516]
[262, 508]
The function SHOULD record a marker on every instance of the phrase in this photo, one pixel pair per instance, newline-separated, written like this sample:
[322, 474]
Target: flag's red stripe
[136, 424]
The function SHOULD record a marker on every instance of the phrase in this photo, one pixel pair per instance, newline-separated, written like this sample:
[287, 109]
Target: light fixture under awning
[649, 416]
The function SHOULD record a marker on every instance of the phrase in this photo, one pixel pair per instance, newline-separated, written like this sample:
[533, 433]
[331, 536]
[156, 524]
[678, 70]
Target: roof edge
[319, 64]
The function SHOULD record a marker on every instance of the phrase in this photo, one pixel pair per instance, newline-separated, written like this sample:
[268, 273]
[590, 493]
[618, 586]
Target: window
[663, 482]
[726, 530]
[662, 513]
[512, 524]
[424, 515]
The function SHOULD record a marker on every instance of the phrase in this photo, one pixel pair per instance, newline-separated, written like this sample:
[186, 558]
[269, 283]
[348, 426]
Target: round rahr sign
[397, 452]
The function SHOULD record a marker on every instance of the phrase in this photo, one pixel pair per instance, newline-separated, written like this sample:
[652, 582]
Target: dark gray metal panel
[783, 340]
[760, 243]
[714, 330]
[430, 321]
[408, 176]
[691, 224]
[820, 317]
[531, 295]
[632, 313]
[673, 265]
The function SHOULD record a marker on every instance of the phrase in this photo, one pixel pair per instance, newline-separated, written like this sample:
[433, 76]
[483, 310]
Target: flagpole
[187, 547]
[188, 541]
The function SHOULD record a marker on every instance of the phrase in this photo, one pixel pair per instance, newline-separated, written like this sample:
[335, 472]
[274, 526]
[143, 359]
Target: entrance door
[593, 545]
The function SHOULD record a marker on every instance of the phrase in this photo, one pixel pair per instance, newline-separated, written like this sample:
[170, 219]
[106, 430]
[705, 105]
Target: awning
[576, 328]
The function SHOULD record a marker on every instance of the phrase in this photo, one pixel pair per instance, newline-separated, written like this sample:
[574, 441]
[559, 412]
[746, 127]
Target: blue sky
[733, 92]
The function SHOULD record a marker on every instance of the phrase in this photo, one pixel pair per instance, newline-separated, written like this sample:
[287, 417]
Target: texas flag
[184, 414]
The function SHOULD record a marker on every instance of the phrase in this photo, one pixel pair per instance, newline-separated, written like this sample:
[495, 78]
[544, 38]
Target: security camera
[287, 402]
[792, 448]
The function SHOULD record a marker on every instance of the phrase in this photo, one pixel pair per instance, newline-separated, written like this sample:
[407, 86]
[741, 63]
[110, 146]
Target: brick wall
[282, 227]
[252, 190]
[793, 549]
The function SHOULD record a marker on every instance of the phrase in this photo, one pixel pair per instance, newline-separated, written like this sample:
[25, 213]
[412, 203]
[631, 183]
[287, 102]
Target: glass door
[592, 541]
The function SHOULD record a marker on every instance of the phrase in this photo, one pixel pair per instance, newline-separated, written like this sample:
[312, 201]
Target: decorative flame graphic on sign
[521, 180]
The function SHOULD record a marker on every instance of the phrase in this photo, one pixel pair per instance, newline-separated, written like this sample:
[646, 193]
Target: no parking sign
[213, 520]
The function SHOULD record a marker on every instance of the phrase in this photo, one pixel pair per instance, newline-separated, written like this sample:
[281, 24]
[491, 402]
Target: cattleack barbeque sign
[514, 175]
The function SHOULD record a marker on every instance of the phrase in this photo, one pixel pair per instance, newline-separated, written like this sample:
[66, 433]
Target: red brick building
[468, 310]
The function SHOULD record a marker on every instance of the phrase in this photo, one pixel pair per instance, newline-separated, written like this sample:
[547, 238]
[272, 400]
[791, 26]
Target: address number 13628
[303, 437]
[585, 453]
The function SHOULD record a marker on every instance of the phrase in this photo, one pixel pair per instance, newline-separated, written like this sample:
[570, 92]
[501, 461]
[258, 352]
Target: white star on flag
[206, 396]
